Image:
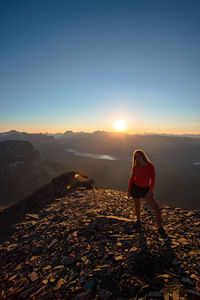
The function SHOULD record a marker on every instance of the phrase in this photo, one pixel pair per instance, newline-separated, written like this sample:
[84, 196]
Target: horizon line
[115, 132]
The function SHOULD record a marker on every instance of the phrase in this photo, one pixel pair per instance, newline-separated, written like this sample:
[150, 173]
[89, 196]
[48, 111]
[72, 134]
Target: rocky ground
[85, 245]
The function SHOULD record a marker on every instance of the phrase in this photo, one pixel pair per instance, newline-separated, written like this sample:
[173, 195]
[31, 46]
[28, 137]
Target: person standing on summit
[141, 184]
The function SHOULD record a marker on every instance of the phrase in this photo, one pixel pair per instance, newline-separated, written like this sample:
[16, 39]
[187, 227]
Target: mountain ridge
[82, 243]
[57, 187]
[23, 170]
[46, 145]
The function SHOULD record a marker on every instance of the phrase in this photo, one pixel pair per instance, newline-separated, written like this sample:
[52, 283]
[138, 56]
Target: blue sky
[81, 65]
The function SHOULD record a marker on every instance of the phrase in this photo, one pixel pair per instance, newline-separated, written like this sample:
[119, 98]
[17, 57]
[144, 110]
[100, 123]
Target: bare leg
[156, 208]
[137, 208]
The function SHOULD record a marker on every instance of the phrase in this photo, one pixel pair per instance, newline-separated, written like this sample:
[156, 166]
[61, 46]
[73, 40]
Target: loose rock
[85, 245]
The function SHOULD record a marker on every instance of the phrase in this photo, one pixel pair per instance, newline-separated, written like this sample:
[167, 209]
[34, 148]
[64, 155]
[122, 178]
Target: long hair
[142, 154]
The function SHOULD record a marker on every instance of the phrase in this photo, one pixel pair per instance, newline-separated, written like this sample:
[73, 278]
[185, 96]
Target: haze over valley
[106, 158]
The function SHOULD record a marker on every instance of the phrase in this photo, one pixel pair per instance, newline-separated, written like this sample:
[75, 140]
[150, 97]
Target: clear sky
[82, 65]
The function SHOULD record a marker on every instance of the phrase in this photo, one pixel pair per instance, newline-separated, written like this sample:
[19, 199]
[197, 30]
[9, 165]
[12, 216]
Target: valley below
[107, 158]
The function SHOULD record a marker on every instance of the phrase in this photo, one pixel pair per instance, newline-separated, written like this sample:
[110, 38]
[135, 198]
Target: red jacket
[143, 176]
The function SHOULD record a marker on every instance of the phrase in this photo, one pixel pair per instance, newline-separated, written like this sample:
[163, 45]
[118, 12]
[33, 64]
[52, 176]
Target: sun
[120, 125]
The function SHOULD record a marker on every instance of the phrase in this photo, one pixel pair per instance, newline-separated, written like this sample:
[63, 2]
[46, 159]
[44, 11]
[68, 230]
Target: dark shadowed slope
[23, 170]
[59, 186]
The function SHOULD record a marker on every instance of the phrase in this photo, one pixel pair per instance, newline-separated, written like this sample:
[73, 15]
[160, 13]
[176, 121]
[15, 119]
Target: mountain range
[46, 145]
[107, 158]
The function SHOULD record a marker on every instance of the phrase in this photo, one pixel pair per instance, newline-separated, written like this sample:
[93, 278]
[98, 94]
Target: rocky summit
[84, 244]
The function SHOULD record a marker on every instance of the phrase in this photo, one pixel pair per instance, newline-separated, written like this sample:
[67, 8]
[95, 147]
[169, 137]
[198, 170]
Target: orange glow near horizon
[131, 130]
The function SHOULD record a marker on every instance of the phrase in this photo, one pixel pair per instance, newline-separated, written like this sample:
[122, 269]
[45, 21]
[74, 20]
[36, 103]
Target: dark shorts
[138, 191]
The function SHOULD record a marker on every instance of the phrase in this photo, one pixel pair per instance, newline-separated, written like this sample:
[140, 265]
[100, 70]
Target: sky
[83, 65]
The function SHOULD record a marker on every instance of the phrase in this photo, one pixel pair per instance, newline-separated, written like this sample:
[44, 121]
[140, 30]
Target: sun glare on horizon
[120, 125]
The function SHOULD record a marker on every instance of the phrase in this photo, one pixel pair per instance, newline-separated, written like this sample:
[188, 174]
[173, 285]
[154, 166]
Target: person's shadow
[157, 265]
[148, 260]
